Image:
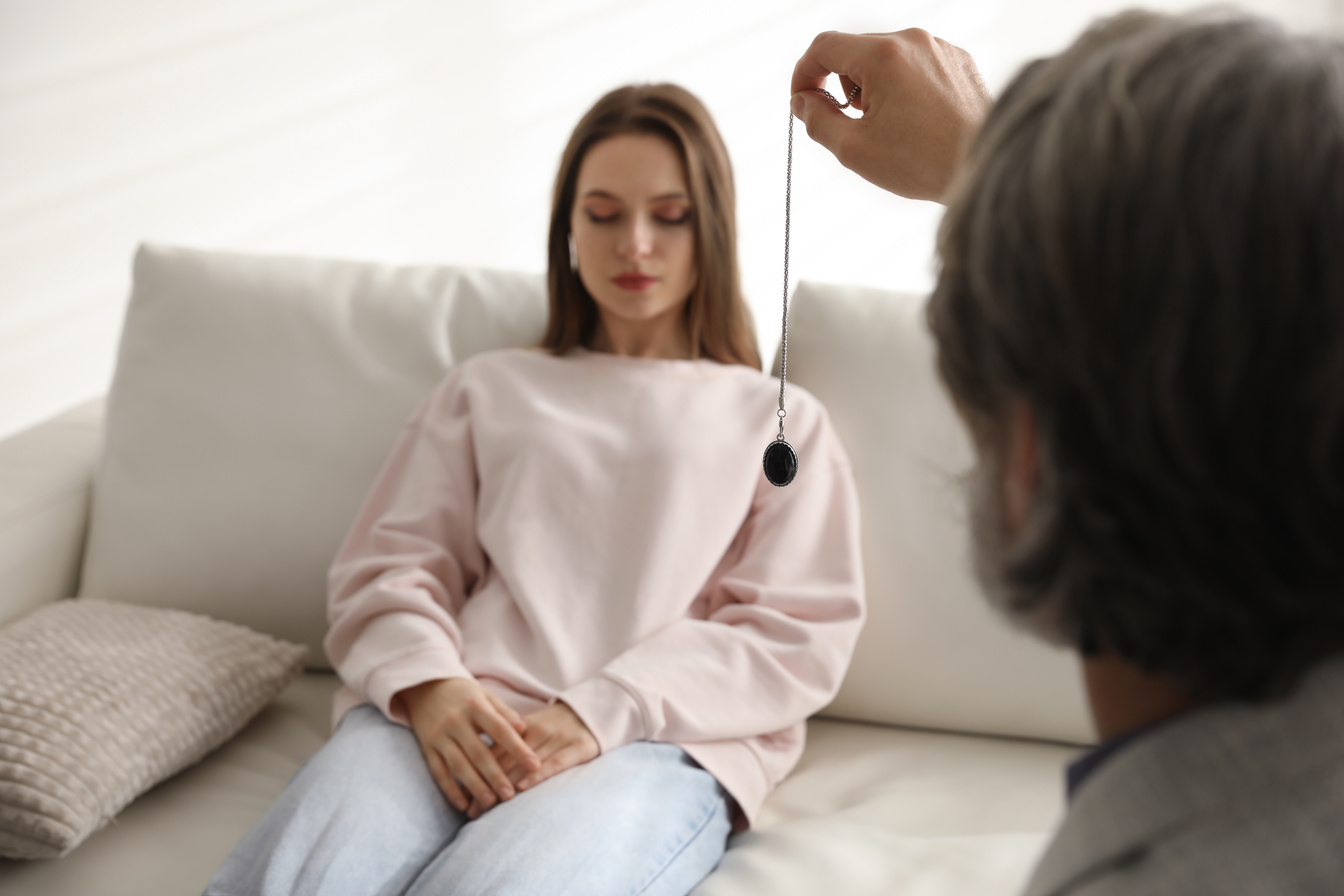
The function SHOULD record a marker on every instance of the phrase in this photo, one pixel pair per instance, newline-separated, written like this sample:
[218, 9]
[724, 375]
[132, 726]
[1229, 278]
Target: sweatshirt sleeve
[781, 615]
[410, 561]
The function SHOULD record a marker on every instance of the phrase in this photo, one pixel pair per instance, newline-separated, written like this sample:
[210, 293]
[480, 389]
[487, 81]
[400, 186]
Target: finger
[554, 765]
[516, 774]
[830, 52]
[509, 764]
[537, 734]
[548, 768]
[532, 779]
[517, 721]
[506, 735]
[481, 757]
[505, 758]
[547, 746]
[817, 63]
[438, 770]
[569, 753]
[476, 810]
[465, 772]
[825, 123]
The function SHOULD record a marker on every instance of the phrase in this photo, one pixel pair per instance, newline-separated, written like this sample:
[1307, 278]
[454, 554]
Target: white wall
[411, 130]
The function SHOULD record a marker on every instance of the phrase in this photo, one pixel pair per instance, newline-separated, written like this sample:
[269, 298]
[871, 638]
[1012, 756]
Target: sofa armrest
[46, 476]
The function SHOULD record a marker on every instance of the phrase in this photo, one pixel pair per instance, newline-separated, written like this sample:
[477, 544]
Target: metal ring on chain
[780, 460]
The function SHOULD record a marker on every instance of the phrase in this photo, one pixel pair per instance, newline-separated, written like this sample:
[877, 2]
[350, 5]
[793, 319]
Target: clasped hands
[449, 716]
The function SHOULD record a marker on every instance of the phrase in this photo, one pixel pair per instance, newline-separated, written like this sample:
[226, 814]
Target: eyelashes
[670, 220]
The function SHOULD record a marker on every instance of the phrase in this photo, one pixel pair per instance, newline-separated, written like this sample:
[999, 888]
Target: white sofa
[253, 400]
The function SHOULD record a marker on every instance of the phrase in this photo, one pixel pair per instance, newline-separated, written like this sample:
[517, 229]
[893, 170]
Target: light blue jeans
[363, 817]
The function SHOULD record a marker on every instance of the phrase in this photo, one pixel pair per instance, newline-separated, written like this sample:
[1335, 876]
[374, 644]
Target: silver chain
[788, 201]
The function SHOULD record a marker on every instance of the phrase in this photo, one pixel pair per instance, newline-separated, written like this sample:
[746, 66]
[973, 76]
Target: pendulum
[780, 460]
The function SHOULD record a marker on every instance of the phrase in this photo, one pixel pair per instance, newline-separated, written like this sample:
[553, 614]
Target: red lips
[634, 281]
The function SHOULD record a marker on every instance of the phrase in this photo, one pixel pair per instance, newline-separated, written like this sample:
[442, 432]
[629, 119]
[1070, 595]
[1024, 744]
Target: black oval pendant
[781, 462]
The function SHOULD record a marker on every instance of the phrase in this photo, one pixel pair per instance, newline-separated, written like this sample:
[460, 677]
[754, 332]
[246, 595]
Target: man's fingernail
[796, 104]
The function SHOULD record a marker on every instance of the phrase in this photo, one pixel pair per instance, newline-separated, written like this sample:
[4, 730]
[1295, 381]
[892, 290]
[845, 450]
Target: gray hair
[1146, 245]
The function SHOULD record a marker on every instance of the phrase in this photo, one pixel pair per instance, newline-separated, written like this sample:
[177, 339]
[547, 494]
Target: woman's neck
[655, 339]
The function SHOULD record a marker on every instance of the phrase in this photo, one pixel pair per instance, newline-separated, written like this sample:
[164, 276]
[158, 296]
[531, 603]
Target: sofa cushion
[933, 654]
[254, 400]
[100, 700]
[869, 811]
[873, 810]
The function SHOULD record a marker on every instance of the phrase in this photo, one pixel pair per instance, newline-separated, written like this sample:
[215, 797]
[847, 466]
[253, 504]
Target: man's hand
[448, 717]
[561, 740]
[922, 100]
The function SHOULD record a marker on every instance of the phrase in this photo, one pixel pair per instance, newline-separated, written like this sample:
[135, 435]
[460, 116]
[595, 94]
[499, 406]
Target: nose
[636, 237]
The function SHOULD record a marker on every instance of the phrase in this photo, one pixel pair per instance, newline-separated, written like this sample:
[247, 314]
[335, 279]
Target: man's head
[1143, 265]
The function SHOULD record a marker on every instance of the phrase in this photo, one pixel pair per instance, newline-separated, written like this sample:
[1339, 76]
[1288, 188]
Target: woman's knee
[369, 764]
[362, 816]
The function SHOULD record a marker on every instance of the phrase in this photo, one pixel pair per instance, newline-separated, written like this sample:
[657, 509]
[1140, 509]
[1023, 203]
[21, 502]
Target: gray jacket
[1231, 799]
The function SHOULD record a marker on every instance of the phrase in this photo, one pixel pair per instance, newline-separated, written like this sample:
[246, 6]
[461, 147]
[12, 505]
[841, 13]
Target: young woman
[578, 628]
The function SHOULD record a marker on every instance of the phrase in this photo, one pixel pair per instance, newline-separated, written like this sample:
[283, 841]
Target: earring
[573, 255]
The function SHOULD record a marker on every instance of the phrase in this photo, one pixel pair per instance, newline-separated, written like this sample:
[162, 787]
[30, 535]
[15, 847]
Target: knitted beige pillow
[99, 701]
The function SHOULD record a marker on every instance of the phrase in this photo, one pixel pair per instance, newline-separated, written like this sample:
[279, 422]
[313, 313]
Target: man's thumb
[823, 121]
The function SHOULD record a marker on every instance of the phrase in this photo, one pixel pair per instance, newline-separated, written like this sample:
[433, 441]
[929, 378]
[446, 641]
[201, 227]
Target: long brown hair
[717, 318]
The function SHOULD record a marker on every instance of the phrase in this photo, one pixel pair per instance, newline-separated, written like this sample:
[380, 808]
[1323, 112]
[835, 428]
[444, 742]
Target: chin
[637, 308]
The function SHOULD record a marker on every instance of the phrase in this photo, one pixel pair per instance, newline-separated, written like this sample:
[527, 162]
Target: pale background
[414, 131]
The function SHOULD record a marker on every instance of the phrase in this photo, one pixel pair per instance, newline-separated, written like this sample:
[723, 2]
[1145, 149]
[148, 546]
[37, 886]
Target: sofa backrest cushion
[933, 654]
[254, 400]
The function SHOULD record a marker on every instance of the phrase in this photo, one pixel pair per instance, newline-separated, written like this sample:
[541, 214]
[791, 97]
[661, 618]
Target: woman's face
[634, 232]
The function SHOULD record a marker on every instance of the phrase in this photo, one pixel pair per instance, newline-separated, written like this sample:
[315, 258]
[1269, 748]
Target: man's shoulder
[1245, 798]
[1291, 842]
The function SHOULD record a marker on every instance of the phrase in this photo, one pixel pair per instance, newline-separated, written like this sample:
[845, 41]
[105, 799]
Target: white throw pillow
[255, 399]
[933, 654]
[99, 701]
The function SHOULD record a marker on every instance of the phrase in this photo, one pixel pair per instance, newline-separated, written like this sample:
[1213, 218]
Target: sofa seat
[870, 809]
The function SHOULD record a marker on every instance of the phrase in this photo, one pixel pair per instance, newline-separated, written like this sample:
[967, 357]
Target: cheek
[587, 241]
[683, 251]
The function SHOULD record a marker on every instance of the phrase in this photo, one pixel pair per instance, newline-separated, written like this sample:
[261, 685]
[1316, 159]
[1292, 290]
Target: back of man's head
[1146, 249]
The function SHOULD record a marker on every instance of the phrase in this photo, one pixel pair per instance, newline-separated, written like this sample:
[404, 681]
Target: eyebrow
[603, 194]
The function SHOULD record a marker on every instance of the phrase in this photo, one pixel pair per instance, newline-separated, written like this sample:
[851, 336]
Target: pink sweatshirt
[597, 529]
